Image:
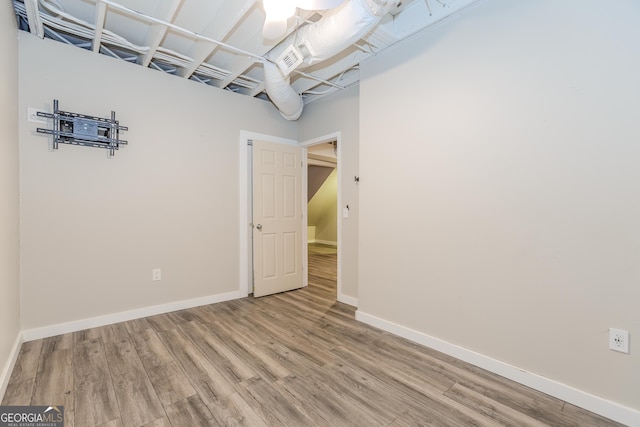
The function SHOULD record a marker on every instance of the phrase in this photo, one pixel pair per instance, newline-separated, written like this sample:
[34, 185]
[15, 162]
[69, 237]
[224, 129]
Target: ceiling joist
[157, 33]
[101, 13]
[215, 42]
[219, 28]
[33, 15]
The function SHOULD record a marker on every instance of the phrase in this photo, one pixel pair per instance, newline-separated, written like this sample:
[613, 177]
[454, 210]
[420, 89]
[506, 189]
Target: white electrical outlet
[156, 274]
[619, 340]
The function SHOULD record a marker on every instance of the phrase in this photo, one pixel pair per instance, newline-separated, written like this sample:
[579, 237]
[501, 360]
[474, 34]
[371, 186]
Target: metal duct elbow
[338, 29]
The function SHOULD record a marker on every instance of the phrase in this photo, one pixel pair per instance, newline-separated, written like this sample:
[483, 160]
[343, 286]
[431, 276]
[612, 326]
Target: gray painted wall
[93, 228]
[511, 218]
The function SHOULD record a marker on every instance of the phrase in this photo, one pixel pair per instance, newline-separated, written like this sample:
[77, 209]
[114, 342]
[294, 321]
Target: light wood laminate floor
[297, 359]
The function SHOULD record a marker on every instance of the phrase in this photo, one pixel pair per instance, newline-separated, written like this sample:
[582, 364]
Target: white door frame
[335, 136]
[244, 192]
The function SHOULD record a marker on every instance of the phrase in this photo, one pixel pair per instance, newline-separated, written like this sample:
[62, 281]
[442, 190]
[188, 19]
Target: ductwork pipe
[281, 93]
[338, 29]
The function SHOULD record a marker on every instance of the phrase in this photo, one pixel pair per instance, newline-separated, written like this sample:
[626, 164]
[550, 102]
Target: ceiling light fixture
[278, 11]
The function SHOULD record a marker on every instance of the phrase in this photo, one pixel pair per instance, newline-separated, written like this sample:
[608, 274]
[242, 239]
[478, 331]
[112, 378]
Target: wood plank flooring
[296, 359]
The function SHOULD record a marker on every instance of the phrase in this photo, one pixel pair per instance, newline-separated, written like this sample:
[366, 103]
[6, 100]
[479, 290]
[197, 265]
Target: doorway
[245, 206]
[322, 208]
[325, 151]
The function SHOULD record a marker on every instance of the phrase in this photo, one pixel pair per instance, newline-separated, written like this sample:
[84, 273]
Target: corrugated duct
[337, 30]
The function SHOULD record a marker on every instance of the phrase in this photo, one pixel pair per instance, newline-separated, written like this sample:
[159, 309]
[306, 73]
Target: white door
[277, 218]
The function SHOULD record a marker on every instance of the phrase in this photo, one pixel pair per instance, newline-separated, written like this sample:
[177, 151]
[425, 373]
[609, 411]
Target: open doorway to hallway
[322, 208]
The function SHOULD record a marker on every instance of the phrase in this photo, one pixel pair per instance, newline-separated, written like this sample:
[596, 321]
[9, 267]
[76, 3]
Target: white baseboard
[8, 367]
[348, 300]
[598, 405]
[79, 325]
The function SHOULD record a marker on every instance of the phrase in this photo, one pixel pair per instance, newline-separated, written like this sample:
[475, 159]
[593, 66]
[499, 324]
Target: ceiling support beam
[101, 13]
[240, 64]
[54, 35]
[180, 29]
[348, 61]
[318, 79]
[220, 28]
[252, 92]
[110, 52]
[158, 31]
[33, 16]
[428, 7]
[346, 80]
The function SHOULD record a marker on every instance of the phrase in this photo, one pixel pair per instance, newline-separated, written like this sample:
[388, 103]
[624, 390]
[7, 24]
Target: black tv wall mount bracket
[79, 129]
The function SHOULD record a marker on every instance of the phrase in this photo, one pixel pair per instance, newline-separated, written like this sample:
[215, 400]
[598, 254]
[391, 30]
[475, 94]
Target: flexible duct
[338, 29]
[279, 89]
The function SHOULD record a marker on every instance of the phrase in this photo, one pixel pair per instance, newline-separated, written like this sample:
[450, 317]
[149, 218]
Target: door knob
[259, 227]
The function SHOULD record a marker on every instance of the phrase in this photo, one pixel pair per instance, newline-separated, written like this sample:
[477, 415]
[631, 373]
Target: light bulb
[277, 10]
[318, 4]
[276, 14]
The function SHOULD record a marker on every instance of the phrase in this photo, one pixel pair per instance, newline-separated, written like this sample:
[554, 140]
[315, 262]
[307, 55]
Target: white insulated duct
[279, 89]
[337, 30]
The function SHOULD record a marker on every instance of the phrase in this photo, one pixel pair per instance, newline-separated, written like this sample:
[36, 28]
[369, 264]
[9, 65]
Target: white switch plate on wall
[32, 116]
[156, 274]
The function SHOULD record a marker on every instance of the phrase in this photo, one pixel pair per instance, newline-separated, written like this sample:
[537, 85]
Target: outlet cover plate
[619, 340]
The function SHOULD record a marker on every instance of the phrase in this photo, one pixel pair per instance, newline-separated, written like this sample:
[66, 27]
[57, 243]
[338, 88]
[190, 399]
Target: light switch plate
[32, 116]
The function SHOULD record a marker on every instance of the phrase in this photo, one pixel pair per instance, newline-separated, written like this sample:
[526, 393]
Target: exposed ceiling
[216, 42]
